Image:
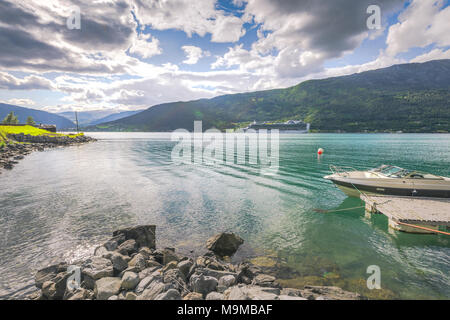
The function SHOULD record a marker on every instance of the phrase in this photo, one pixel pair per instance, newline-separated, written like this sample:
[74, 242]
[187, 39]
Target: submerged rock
[224, 244]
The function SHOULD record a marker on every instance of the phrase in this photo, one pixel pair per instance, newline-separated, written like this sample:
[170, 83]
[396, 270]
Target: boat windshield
[397, 172]
[392, 171]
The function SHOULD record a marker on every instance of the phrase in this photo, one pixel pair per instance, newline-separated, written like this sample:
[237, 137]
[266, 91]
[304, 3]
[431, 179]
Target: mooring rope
[424, 228]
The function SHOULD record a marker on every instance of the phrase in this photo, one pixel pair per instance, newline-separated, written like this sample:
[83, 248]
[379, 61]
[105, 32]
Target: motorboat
[389, 180]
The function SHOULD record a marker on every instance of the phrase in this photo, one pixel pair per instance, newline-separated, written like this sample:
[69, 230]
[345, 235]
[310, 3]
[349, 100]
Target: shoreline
[17, 146]
[130, 267]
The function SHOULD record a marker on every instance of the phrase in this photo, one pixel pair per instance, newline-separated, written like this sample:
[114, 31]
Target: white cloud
[424, 22]
[31, 82]
[200, 17]
[193, 54]
[20, 102]
[433, 55]
[145, 48]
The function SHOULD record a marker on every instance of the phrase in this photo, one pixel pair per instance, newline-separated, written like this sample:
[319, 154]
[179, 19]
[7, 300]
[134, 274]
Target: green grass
[5, 130]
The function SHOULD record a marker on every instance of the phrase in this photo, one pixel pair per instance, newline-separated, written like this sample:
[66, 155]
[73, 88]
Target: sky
[61, 55]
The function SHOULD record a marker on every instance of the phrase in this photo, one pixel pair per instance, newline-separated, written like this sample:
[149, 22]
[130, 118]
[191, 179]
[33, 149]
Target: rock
[113, 298]
[97, 267]
[227, 281]
[130, 296]
[143, 284]
[139, 262]
[169, 255]
[265, 280]
[146, 252]
[128, 247]
[100, 251]
[291, 292]
[330, 293]
[147, 272]
[169, 266]
[203, 284]
[247, 272]
[48, 289]
[154, 289]
[113, 243]
[214, 273]
[107, 287]
[286, 297]
[129, 280]
[79, 294]
[171, 294]
[184, 266]
[224, 244]
[48, 273]
[176, 279]
[249, 292]
[119, 262]
[193, 296]
[214, 296]
[55, 289]
[143, 235]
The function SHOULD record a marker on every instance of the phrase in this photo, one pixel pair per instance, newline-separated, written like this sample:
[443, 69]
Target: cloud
[424, 22]
[297, 36]
[199, 17]
[20, 102]
[144, 48]
[193, 54]
[32, 82]
[435, 54]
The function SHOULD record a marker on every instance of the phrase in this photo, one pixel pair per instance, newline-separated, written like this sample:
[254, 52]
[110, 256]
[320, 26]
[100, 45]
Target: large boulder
[128, 247]
[203, 284]
[49, 273]
[224, 244]
[129, 280]
[144, 235]
[153, 290]
[107, 287]
[97, 267]
[119, 261]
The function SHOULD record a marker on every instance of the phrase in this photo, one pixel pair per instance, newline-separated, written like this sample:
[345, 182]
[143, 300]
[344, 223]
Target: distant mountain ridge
[412, 97]
[86, 118]
[39, 116]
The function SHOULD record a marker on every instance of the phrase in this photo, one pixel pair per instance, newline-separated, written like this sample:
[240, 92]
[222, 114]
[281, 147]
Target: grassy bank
[30, 130]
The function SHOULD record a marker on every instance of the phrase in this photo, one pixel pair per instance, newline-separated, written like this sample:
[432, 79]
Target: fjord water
[61, 203]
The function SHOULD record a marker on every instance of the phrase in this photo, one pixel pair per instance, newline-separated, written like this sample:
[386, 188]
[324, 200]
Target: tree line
[13, 119]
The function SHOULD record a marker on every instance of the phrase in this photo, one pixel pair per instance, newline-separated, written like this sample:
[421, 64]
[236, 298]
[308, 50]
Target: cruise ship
[291, 126]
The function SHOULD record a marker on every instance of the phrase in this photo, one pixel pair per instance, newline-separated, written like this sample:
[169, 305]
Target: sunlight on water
[61, 203]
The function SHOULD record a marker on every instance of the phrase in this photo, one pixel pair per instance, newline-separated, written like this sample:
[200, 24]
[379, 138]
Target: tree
[30, 121]
[10, 119]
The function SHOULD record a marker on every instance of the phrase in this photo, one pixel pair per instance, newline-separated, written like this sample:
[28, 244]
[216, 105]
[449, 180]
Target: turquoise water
[61, 203]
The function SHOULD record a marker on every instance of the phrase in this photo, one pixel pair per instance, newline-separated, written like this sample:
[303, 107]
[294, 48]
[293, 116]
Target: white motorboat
[389, 180]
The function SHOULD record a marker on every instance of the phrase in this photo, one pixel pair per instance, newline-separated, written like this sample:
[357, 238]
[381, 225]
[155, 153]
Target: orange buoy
[320, 151]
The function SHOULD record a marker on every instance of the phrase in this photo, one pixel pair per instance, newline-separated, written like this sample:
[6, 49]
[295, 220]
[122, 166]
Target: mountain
[39, 116]
[115, 116]
[412, 97]
[86, 118]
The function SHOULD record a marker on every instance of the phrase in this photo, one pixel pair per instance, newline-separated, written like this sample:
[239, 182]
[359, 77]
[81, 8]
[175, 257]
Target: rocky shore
[130, 267]
[11, 153]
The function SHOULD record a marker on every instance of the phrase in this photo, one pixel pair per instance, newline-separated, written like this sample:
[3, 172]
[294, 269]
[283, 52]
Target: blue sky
[130, 55]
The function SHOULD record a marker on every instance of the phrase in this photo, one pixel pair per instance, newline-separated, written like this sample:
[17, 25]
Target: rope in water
[424, 228]
[337, 210]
